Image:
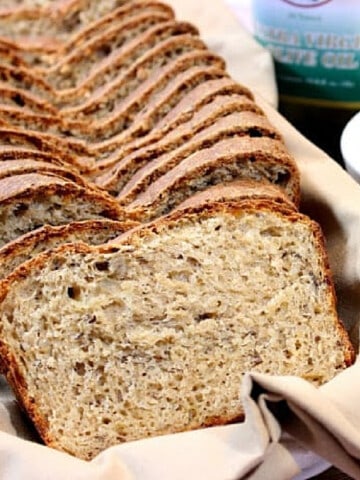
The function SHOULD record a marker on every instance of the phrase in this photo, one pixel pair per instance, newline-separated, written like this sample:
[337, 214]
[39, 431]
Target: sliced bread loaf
[103, 21]
[152, 335]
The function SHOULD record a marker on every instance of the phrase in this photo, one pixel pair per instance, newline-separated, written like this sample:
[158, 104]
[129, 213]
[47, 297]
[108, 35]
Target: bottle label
[316, 48]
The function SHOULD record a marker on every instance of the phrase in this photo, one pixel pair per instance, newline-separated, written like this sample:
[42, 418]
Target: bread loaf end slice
[152, 335]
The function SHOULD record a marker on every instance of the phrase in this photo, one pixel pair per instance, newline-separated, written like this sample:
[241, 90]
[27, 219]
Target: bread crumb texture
[154, 336]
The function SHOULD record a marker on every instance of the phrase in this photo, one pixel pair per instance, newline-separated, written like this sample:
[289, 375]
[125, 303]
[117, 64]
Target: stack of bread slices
[152, 250]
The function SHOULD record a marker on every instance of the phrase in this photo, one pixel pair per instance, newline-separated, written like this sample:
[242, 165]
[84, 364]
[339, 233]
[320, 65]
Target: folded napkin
[292, 429]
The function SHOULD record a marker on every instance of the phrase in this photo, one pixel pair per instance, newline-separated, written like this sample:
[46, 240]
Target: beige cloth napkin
[288, 421]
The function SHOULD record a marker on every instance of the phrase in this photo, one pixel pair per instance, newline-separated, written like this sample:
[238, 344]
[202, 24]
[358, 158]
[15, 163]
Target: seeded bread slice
[152, 335]
[207, 125]
[25, 247]
[30, 201]
[231, 159]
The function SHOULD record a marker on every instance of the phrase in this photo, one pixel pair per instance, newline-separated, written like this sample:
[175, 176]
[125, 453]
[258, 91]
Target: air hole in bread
[80, 368]
[18, 100]
[255, 133]
[204, 316]
[102, 266]
[74, 292]
[282, 178]
[20, 209]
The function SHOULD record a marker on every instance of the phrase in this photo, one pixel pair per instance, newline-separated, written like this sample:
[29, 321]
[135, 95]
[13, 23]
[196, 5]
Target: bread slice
[221, 118]
[237, 191]
[27, 246]
[230, 159]
[10, 168]
[152, 335]
[32, 200]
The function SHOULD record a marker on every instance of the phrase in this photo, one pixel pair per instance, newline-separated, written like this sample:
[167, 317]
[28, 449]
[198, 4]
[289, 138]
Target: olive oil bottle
[316, 49]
